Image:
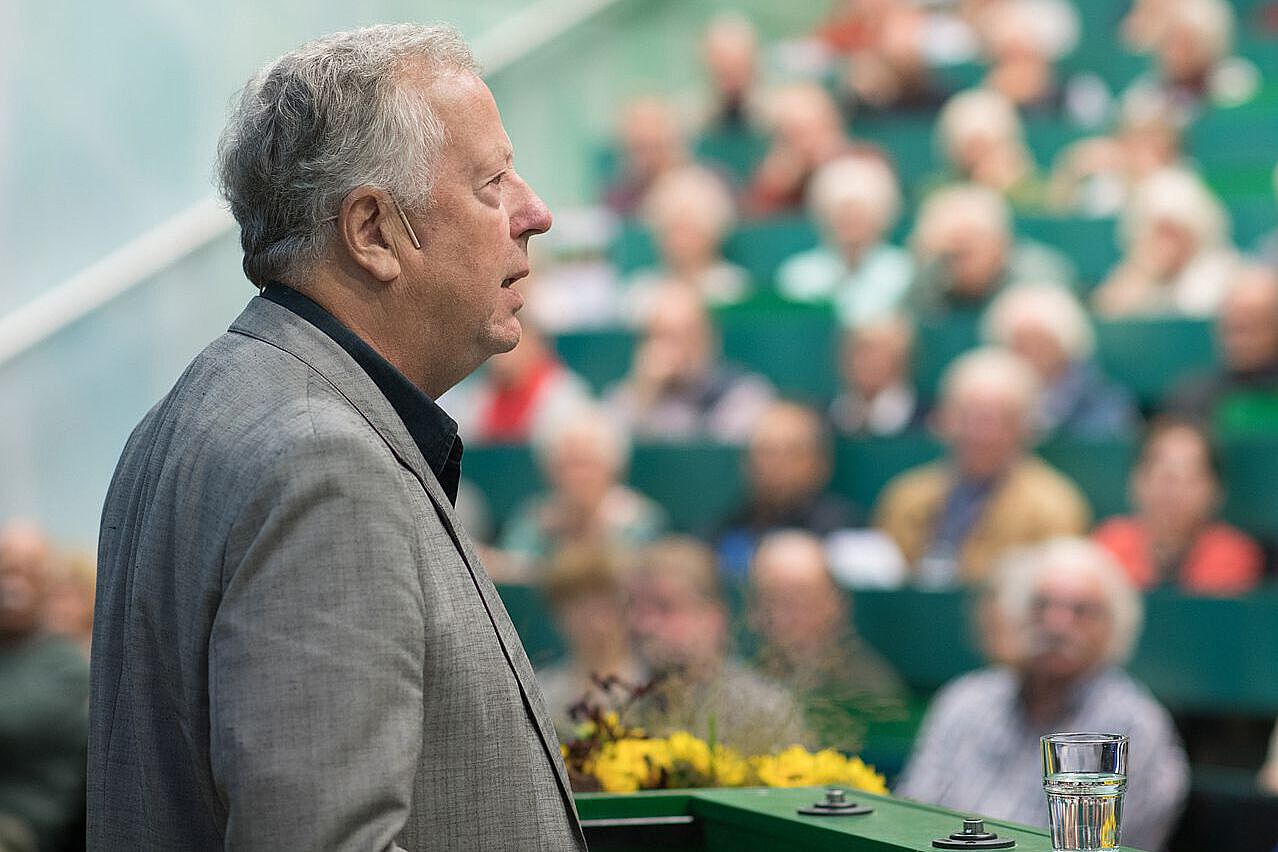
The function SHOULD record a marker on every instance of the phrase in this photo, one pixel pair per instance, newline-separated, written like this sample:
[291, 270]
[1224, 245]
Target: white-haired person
[689, 212]
[1072, 619]
[953, 518]
[965, 253]
[1047, 326]
[877, 396]
[1021, 41]
[980, 136]
[854, 201]
[680, 387]
[583, 460]
[651, 142]
[1177, 256]
[1192, 43]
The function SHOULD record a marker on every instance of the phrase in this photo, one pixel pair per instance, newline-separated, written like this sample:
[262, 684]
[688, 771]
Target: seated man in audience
[788, 465]
[877, 397]
[1174, 538]
[517, 394]
[954, 518]
[810, 646]
[69, 596]
[729, 51]
[1241, 396]
[583, 458]
[807, 133]
[854, 201]
[679, 387]
[1177, 258]
[1046, 326]
[679, 622]
[965, 254]
[44, 700]
[981, 135]
[1074, 619]
[584, 589]
[651, 144]
[689, 212]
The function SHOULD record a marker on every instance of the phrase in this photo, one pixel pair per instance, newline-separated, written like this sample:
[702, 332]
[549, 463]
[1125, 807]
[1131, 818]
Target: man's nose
[532, 216]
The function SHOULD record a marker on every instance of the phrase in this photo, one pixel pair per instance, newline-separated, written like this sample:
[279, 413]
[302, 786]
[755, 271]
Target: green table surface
[766, 819]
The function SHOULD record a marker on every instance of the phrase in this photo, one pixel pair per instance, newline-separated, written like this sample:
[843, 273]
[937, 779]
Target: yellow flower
[797, 767]
[684, 747]
[730, 768]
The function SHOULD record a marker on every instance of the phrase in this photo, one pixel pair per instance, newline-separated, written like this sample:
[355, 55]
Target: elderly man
[679, 387]
[1242, 394]
[296, 646]
[966, 254]
[44, 689]
[953, 518]
[810, 646]
[678, 621]
[787, 465]
[1072, 618]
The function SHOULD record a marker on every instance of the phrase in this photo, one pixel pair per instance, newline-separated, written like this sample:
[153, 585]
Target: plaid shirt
[978, 752]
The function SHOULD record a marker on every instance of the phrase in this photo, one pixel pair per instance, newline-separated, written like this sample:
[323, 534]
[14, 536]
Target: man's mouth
[512, 279]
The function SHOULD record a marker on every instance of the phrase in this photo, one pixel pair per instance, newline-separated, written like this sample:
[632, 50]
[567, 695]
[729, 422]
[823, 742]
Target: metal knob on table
[836, 803]
[973, 836]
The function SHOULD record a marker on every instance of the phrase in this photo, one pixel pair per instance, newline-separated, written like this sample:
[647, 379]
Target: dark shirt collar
[434, 432]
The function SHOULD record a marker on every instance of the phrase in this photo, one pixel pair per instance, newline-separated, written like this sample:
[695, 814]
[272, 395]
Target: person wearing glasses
[1060, 621]
[296, 645]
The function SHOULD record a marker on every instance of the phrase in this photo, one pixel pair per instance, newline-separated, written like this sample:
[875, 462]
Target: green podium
[767, 820]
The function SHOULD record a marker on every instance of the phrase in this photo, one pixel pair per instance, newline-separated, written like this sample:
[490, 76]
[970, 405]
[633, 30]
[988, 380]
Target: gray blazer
[295, 645]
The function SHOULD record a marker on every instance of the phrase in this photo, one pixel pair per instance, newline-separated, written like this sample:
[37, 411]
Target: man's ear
[367, 229]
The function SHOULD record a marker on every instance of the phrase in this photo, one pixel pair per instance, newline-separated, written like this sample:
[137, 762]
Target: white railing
[143, 257]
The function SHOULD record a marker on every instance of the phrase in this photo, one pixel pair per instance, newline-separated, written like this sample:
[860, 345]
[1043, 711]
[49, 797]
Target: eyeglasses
[1079, 610]
[403, 217]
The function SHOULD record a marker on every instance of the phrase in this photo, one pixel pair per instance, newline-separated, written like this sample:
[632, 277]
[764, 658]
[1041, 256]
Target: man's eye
[496, 181]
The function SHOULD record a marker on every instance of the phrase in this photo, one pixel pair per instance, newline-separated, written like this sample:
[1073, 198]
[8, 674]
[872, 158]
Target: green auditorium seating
[1252, 219]
[1196, 654]
[795, 347]
[1150, 356]
[736, 152]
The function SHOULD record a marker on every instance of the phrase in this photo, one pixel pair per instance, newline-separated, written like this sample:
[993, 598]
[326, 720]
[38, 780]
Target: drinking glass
[1085, 776]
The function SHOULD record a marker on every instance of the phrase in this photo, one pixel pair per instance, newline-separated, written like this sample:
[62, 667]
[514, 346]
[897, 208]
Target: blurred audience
[583, 460]
[1267, 778]
[729, 52]
[954, 518]
[69, 597]
[517, 394]
[1241, 395]
[877, 397]
[1047, 327]
[651, 144]
[1075, 619]
[1194, 71]
[689, 212]
[44, 700]
[679, 622]
[1177, 257]
[1022, 40]
[584, 588]
[1267, 246]
[788, 464]
[980, 135]
[855, 202]
[1175, 537]
[807, 133]
[680, 388]
[809, 644]
[1096, 176]
[965, 254]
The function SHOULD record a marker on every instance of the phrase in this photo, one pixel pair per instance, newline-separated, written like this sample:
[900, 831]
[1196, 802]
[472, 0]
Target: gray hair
[324, 119]
[1018, 576]
[1050, 307]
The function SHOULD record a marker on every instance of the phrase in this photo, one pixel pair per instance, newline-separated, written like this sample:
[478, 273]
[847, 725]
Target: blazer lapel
[276, 325]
